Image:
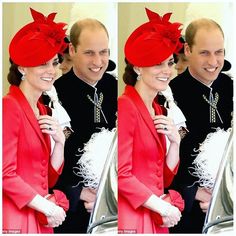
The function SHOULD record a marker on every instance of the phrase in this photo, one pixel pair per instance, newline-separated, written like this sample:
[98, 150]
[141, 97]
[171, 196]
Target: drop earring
[136, 70]
[23, 76]
[139, 76]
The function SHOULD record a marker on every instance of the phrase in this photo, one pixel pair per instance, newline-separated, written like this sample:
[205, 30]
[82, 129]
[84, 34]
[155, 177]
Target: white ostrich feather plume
[91, 163]
[208, 160]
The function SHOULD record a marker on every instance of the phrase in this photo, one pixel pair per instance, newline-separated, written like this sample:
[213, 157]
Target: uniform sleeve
[14, 187]
[129, 186]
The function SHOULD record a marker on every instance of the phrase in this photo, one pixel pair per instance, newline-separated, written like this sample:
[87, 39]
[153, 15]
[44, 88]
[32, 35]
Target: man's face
[91, 56]
[206, 57]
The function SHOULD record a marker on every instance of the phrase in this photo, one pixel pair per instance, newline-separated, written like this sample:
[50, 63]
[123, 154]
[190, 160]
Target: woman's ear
[21, 70]
[136, 70]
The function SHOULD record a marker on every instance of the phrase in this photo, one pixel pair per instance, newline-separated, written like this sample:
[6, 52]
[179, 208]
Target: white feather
[208, 160]
[91, 163]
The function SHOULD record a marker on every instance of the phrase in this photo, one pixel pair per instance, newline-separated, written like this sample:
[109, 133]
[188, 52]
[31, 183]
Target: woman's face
[157, 77]
[41, 78]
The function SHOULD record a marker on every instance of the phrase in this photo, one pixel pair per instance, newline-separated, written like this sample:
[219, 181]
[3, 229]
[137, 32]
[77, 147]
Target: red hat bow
[38, 41]
[53, 32]
[154, 41]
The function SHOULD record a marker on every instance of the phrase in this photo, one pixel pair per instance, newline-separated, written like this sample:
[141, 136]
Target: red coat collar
[131, 92]
[24, 104]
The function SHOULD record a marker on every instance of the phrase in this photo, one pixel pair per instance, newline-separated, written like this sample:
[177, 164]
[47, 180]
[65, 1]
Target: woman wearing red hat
[145, 166]
[30, 167]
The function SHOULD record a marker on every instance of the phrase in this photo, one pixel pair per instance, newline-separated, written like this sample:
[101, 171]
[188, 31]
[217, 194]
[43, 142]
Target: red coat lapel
[16, 93]
[138, 102]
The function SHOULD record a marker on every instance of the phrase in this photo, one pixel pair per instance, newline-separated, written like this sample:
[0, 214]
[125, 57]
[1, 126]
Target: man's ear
[187, 49]
[72, 49]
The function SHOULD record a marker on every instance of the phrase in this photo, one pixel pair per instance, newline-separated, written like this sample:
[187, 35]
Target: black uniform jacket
[77, 97]
[192, 97]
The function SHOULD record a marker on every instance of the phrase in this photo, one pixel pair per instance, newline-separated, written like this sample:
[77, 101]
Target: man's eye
[220, 52]
[203, 53]
[88, 53]
[105, 52]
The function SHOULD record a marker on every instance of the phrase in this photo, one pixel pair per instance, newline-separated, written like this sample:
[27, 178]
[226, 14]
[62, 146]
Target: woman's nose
[167, 69]
[51, 69]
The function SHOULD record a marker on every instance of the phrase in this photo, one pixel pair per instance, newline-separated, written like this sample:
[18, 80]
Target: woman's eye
[55, 63]
[171, 63]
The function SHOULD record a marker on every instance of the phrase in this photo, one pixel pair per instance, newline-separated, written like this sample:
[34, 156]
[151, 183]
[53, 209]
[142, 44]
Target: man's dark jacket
[76, 97]
[189, 95]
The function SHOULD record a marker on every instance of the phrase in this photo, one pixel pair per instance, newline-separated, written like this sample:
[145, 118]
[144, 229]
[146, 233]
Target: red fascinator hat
[154, 41]
[38, 41]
